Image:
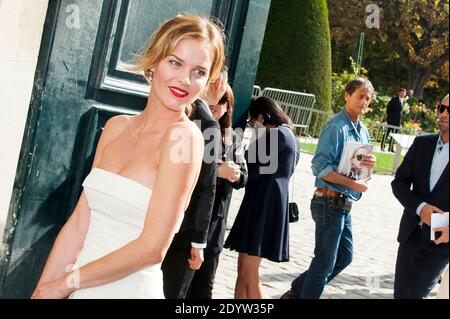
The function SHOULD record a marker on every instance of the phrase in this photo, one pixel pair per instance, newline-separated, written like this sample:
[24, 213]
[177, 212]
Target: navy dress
[261, 227]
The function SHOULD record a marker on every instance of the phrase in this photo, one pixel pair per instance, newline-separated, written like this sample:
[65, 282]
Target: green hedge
[296, 54]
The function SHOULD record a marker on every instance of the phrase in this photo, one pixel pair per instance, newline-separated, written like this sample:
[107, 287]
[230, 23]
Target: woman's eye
[200, 73]
[175, 62]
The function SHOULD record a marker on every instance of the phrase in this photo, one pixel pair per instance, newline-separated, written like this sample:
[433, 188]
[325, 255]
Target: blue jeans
[333, 251]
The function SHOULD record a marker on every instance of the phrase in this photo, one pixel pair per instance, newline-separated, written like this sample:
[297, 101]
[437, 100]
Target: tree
[296, 53]
[421, 28]
[417, 30]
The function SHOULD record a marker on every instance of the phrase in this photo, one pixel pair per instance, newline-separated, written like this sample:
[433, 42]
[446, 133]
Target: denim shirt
[339, 130]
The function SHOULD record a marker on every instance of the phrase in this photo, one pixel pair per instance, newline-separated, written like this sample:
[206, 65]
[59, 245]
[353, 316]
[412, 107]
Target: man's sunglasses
[442, 108]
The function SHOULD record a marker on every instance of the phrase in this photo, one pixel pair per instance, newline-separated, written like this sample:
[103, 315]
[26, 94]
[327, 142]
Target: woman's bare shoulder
[116, 125]
[184, 139]
[185, 127]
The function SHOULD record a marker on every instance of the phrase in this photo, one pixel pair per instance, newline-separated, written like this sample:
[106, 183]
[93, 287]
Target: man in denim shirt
[331, 204]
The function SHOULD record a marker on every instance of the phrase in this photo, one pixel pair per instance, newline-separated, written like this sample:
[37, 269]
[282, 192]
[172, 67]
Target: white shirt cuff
[198, 246]
[419, 208]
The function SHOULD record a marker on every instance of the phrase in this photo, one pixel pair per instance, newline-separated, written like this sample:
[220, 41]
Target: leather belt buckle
[320, 192]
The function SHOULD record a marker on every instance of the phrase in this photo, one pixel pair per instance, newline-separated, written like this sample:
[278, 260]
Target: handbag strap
[295, 159]
[295, 148]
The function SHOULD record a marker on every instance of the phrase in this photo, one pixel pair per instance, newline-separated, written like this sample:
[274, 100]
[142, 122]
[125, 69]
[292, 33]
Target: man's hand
[361, 185]
[369, 161]
[196, 259]
[443, 239]
[425, 213]
[217, 89]
[229, 171]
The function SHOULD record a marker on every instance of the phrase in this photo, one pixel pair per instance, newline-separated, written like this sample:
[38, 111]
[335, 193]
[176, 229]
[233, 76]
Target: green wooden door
[81, 81]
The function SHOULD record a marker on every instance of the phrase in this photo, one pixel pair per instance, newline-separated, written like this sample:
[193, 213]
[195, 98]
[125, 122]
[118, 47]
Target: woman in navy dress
[261, 227]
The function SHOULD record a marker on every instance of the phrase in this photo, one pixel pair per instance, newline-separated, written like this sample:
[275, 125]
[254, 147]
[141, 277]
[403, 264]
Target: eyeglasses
[442, 108]
[358, 157]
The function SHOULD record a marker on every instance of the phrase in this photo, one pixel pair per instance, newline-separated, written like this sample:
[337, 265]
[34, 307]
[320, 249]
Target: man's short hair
[357, 83]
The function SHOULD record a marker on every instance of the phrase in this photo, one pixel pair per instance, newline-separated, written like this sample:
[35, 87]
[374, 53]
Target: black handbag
[293, 212]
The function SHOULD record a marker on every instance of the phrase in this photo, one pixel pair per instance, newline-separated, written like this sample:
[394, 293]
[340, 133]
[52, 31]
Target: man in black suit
[393, 112]
[185, 253]
[420, 260]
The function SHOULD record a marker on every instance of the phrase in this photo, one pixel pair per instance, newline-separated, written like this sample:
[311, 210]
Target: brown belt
[327, 192]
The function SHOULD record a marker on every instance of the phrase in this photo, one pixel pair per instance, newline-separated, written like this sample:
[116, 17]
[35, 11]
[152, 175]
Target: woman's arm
[175, 182]
[67, 246]
[70, 239]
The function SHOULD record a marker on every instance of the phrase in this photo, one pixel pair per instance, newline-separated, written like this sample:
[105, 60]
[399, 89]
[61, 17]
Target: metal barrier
[256, 91]
[297, 105]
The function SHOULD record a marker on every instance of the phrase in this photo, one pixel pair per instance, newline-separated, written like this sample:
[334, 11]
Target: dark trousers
[177, 275]
[333, 250]
[417, 269]
[389, 130]
[203, 282]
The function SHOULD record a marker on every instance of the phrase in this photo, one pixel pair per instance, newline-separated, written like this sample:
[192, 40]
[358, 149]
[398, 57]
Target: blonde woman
[143, 175]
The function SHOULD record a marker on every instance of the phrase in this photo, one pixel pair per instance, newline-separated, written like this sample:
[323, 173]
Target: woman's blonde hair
[170, 33]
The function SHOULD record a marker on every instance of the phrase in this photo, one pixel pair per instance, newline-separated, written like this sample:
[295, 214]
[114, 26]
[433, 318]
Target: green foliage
[377, 109]
[296, 54]
[417, 115]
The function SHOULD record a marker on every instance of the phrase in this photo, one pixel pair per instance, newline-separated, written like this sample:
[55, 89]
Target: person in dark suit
[185, 253]
[420, 261]
[231, 174]
[393, 112]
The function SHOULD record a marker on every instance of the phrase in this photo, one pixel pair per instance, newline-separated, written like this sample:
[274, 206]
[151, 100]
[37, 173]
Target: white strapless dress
[118, 208]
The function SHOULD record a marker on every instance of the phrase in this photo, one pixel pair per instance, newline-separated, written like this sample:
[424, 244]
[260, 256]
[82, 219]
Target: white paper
[438, 220]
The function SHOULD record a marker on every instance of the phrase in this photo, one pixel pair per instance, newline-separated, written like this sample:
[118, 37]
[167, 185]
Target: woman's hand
[229, 171]
[58, 289]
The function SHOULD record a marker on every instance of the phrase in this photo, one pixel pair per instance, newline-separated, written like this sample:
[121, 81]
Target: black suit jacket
[197, 217]
[224, 191]
[394, 110]
[415, 171]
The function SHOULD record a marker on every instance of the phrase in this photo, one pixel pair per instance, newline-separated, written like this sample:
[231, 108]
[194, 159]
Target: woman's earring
[148, 74]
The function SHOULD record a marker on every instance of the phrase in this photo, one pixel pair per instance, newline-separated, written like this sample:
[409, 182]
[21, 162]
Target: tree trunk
[417, 78]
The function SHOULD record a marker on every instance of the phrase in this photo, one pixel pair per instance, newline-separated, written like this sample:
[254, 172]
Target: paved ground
[375, 223]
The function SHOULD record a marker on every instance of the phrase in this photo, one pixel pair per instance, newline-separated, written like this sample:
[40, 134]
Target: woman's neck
[157, 117]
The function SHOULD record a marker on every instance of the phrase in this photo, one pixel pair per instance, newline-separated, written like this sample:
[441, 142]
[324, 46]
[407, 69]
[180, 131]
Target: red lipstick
[177, 92]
